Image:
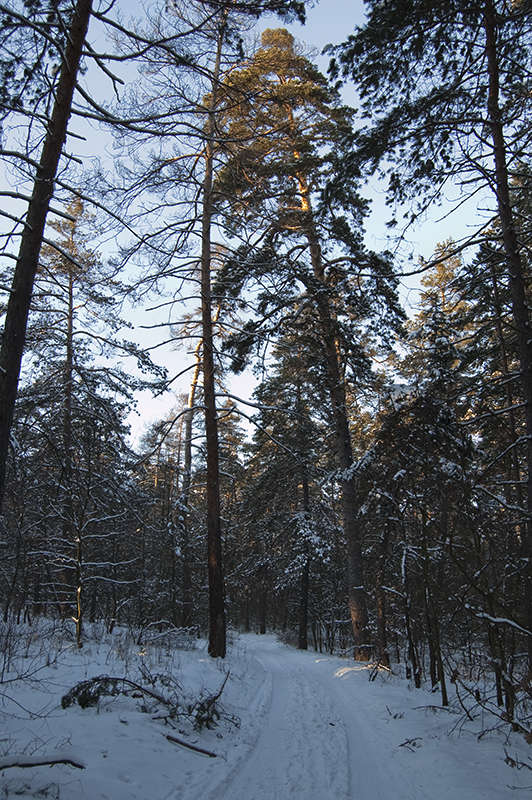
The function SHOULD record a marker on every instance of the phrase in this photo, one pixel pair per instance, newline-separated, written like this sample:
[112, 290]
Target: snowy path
[313, 727]
[301, 750]
[325, 733]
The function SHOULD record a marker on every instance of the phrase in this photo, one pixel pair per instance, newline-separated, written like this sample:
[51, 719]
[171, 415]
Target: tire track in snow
[207, 783]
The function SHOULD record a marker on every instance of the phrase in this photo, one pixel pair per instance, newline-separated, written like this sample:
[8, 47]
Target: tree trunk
[516, 282]
[247, 622]
[263, 605]
[187, 607]
[344, 451]
[514, 469]
[18, 306]
[304, 582]
[382, 649]
[303, 605]
[71, 532]
[186, 594]
[412, 651]
[217, 633]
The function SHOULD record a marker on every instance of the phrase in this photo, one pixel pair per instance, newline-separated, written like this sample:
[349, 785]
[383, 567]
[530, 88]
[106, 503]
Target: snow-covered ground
[294, 725]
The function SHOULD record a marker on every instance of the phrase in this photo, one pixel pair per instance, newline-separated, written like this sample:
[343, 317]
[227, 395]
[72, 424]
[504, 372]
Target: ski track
[313, 727]
[310, 740]
[317, 729]
[285, 760]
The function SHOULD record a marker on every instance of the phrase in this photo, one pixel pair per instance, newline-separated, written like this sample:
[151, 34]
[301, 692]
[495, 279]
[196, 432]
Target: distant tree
[282, 495]
[67, 553]
[73, 380]
[443, 478]
[490, 404]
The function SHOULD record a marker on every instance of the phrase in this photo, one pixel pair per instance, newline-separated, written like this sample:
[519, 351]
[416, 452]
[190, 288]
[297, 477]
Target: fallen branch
[88, 692]
[434, 708]
[39, 761]
[191, 746]
[515, 762]
[206, 711]
[411, 744]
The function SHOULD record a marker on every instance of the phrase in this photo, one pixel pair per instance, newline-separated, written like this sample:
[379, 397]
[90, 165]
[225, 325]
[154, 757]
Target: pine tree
[443, 85]
[293, 127]
[74, 391]
[284, 465]
[189, 106]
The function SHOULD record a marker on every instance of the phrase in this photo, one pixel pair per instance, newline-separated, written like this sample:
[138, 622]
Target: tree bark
[412, 651]
[516, 282]
[18, 306]
[217, 628]
[263, 605]
[71, 532]
[304, 582]
[303, 604]
[186, 615]
[344, 451]
[382, 648]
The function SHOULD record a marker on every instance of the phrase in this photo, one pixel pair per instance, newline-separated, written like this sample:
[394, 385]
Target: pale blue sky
[328, 21]
[331, 21]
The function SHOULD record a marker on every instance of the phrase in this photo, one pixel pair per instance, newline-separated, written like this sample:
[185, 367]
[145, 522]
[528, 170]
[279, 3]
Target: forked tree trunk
[18, 306]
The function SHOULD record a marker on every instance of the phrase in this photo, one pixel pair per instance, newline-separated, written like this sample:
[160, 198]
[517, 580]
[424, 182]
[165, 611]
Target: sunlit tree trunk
[217, 641]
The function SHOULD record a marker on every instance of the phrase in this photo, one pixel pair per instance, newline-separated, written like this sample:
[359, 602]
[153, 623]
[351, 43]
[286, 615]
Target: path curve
[317, 729]
[301, 750]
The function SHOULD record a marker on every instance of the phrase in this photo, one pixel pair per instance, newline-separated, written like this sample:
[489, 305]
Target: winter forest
[185, 198]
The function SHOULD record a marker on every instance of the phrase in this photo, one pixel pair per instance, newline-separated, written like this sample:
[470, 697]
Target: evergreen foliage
[389, 469]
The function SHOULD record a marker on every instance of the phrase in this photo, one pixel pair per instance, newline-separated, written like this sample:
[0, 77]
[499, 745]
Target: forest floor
[293, 725]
